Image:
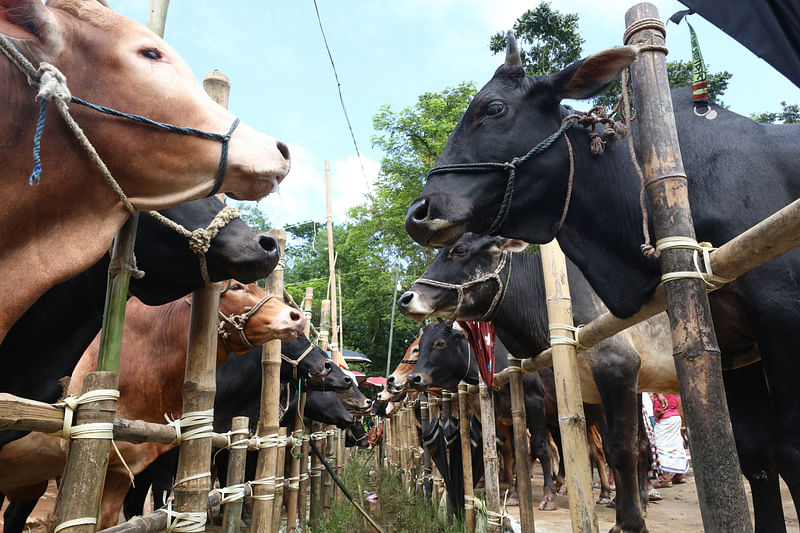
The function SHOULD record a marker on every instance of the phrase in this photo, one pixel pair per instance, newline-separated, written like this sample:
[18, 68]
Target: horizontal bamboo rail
[770, 238]
[157, 520]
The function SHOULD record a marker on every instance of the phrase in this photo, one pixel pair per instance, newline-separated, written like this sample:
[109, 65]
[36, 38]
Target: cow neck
[521, 318]
[602, 231]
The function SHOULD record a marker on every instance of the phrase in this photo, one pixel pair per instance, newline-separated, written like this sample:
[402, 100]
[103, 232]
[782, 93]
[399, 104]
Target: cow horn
[512, 51]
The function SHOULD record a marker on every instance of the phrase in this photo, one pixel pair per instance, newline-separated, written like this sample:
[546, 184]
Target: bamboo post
[334, 339]
[232, 513]
[280, 463]
[327, 480]
[297, 483]
[490, 461]
[427, 469]
[466, 457]
[721, 494]
[522, 456]
[340, 457]
[570, 403]
[316, 480]
[264, 492]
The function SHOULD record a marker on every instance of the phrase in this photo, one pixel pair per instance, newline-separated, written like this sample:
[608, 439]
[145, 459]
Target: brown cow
[73, 214]
[152, 366]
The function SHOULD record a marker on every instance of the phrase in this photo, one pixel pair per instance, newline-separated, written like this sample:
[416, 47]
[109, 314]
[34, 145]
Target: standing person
[654, 471]
[669, 442]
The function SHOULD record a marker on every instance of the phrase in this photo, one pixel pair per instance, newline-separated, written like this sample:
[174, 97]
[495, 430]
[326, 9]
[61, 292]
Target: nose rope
[296, 362]
[460, 287]
[508, 166]
[240, 321]
[200, 239]
[52, 85]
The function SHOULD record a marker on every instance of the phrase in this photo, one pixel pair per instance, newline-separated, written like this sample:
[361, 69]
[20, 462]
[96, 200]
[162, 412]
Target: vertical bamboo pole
[341, 313]
[280, 463]
[82, 484]
[327, 480]
[570, 403]
[297, 485]
[199, 385]
[490, 461]
[721, 494]
[522, 456]
[316, 481]
[325, 334]
[232, 514]
[263, 494]
[427, 467]
[340, 458]
[466, 457]
[331, 263]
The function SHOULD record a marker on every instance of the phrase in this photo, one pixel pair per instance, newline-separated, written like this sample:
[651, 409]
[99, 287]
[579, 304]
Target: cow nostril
[267, 242]
[415, 379]
[284, 150]
[295, 315]
[419, 211]
[328, 366]
[347, 380]
[390, 381]
[405, 299]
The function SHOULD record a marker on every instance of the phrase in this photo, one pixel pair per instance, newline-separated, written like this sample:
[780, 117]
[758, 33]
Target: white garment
[647, 404]
[669, 443]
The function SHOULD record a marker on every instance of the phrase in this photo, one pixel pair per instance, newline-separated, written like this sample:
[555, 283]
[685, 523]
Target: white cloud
[302, 194]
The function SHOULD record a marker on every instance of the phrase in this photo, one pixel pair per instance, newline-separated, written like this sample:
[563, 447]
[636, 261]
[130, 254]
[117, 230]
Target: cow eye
[439, 344]
[151, 53]
[459, 251]
[495, 109]
[237, 287]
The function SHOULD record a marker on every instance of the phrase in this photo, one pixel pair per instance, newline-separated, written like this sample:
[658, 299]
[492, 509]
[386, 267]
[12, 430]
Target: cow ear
[590, 76]
[24, 19]
[513, 245]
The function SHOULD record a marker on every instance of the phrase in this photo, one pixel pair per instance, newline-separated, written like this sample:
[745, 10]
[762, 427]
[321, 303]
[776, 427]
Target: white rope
[191, 478]
[273, 440]
[234, 493]
[75, 522]
[712, 281]
[52, 84]
[266, 482]
[203, 419]
[564, 340]
[239, 444]
[189, 522]
[95, 430]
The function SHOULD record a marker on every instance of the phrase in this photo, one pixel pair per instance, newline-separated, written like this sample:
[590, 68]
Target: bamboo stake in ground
[490, 462]
[427, 467]
[522, 456]
[280, 464]
[264, 492]
[316, 478]
[570, 403]
[721, 494]
[466, 457]
[232, 512]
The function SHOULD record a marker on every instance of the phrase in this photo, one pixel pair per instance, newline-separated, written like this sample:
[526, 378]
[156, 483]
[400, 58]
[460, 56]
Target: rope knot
[52, 84]
[596, 143]
[200, 241]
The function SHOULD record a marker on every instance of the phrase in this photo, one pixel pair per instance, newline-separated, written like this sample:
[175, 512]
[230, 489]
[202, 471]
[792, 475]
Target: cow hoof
[603, 499]
[549, 503]
[512, 498]
[636, 529]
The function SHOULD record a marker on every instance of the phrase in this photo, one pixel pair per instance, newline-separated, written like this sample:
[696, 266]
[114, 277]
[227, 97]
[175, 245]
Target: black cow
[740, 173]
[514, 300]
[445, 359]
[56, 330]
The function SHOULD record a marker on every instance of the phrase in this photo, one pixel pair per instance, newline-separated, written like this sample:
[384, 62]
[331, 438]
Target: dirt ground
[678, 512]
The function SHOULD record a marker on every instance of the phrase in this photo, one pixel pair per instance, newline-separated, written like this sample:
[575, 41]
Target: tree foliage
[789, 114]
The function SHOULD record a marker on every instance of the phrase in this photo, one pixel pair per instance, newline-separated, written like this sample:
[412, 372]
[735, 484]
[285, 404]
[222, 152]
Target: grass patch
[396, 511]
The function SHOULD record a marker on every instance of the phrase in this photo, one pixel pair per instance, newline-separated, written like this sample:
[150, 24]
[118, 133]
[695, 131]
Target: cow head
[356, 436]
[396, 382]
[173, 269]
[508, 117]
[251, 318]
[475, 269]
[354, 400]
[112, 61]
[337, 380]
[301, 359]
[444, 359]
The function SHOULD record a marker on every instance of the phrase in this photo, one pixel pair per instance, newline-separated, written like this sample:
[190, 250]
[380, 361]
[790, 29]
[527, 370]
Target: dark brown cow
[73, 214]
[152, 366]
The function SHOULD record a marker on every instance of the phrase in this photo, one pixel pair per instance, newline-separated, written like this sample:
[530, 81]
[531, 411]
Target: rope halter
[295, 362]
[502, 286]
[239, 322]
[200, 239]
[508, 166]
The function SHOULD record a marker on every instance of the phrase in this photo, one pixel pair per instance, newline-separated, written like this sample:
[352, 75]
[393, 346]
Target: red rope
[481, 337]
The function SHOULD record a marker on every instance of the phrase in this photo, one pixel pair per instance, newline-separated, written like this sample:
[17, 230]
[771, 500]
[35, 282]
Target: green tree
[548, 39]
[789, 114]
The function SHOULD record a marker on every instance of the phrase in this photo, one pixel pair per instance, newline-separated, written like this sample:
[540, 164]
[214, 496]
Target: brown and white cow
[59, 228]
[152, 365]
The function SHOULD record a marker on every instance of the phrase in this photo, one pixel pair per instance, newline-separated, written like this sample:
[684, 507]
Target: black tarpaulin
[768, 28]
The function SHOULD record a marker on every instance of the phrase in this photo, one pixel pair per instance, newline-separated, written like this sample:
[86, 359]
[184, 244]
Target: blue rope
[36, 175]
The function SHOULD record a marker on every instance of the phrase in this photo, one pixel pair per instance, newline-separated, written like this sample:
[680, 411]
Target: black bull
[740, 172]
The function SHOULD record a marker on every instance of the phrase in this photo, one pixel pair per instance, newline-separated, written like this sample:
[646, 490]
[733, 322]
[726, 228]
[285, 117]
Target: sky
[390, 52]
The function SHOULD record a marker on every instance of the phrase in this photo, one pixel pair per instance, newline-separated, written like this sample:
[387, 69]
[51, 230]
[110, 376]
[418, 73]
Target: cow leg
[599, 459]
[559, 483]
[643, 462]
[507, 453]
[750, 415]
[21, 506]
[615, 368]
[540, 448]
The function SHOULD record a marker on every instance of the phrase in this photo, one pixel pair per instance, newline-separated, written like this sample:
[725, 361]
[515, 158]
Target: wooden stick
[570, 403]
[522, 456]
[270, 394]
[490, 462]
[427, 466]
[316, 483]
[466, 457]
[723, 503]
[277, 505]
[232, 514]
[156, 521]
